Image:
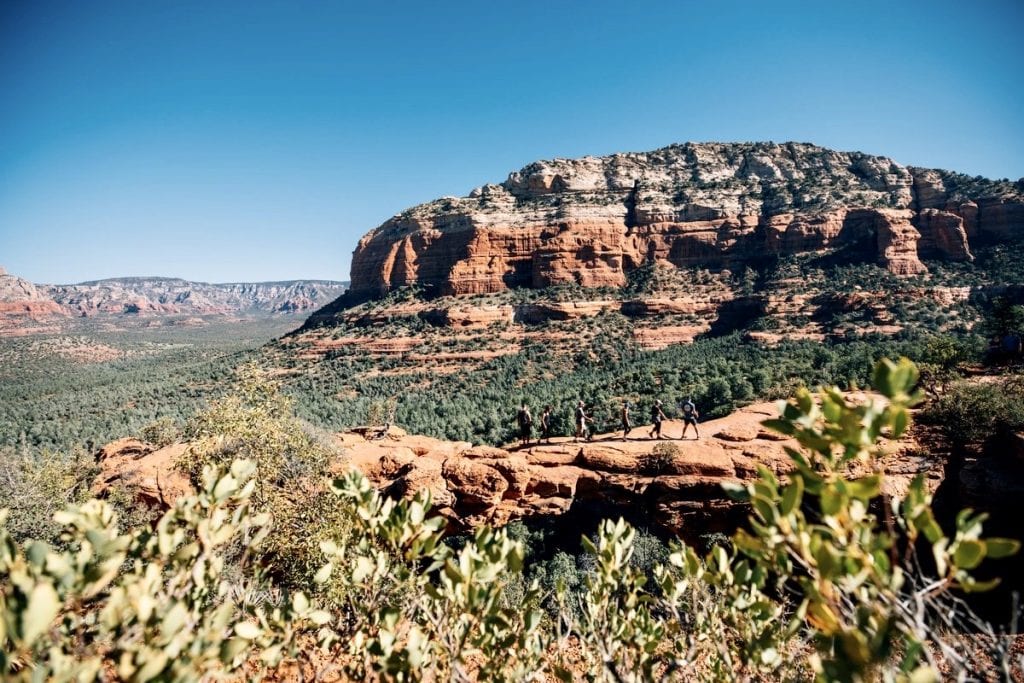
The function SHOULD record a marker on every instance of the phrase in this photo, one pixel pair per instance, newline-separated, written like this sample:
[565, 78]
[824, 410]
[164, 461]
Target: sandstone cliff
[591, 221]
[24, 306]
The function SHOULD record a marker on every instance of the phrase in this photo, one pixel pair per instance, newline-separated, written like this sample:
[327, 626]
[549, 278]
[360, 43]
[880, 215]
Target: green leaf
[855, 645]
[1001, 547]
[781, 426]
[969, 585]
[792, 495]
[42, 608]
[764, 508]
[154, 665]
[736, 491]
[969, 554]
[865, 488]
[232, 649]
[36, 553]
[224, 488]
[881, 379]
[364, 568]
[248, 630]
[831, 500]
[924, 674]
[746, 543]
[320, 617]
[323, 574]
[900, 421]
[175, 619]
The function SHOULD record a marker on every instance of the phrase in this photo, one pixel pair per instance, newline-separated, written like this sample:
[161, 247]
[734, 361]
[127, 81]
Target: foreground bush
[825, 583]
[33, 488]
[292, 461]
[150, 604]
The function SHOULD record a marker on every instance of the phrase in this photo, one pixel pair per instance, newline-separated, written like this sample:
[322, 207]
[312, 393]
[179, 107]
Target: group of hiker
[583, 421]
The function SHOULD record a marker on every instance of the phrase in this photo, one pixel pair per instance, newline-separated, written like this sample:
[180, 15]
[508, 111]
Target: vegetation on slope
[74, 392]
[826, 581]
[79, 390]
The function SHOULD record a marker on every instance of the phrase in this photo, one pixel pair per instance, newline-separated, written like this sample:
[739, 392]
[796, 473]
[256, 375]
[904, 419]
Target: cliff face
[593, 220]
[24, 307]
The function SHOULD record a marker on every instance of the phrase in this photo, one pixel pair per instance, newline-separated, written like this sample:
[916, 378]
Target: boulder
[475, 486]
[147, 473]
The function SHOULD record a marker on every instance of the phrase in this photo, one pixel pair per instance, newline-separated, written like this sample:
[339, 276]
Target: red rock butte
[593, 220]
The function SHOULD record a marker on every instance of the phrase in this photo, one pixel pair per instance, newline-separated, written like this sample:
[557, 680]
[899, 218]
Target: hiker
[690, 416]
[627, 425]
[657, 416]
[545, 425]
[525, 421]
[581, 421]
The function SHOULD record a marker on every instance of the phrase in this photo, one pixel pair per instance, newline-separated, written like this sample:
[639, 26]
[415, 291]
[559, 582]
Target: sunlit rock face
[591, 221]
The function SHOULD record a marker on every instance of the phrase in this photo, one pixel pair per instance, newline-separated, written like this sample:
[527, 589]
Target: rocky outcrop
[147, 473]
[675, 484]
[942, 235]
[680, 483]
[592, 221]
[24, 306]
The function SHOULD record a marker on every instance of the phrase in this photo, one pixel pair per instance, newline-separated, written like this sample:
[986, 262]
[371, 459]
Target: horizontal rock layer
[593, 220]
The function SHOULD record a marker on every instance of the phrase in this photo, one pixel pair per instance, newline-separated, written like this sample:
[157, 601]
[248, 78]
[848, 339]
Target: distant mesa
[26, 307]
[592, 221]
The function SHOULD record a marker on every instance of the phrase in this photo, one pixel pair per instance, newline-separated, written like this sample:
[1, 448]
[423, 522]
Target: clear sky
[258, 140]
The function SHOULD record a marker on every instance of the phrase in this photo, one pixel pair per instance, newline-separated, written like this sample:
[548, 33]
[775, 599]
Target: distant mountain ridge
[23, 303]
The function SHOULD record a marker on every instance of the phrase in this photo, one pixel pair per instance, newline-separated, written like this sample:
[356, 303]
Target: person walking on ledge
[525, 421]
[545, 425]
[627, 425]
[581, 421]
[657, 416]
[690, 416]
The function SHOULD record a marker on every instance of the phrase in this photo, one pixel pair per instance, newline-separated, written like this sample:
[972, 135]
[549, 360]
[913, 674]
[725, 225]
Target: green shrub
[256, 422]
[162, 432]
[150, 604]
[660, 458]
[34, 488]
[970, 413]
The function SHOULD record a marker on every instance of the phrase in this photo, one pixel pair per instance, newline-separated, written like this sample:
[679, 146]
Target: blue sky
[227, 141]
